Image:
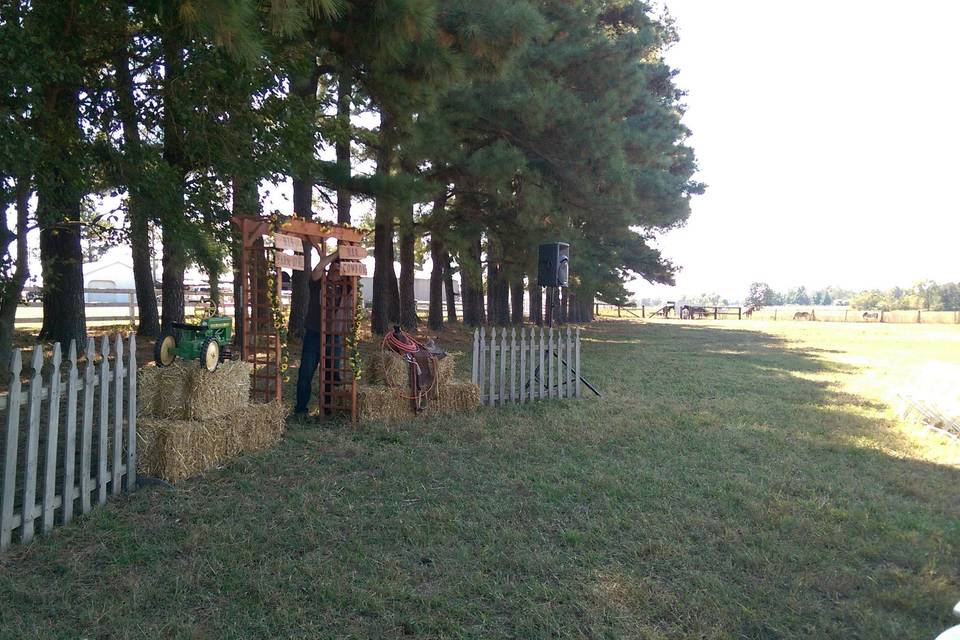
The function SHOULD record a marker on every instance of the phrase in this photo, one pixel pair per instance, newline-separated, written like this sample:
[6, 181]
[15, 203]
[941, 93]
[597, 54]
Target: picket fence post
[10, 456]
[86, 431]
[53, 431]
[104, 421]
[28, 504]
[132, 415]
[70, 435]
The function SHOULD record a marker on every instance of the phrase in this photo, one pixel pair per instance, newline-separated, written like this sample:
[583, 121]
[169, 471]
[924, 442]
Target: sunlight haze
[826, 133]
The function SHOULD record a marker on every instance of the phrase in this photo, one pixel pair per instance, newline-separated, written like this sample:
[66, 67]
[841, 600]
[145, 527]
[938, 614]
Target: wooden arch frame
[258, 336]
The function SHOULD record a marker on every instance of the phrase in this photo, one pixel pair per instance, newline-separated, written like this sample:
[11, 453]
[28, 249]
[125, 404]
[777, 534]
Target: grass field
[737, 480]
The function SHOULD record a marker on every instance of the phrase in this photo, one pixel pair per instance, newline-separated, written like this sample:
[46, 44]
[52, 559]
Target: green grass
[732, 483]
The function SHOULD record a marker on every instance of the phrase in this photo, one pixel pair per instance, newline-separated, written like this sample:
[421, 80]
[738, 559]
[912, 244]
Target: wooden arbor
[258, 333]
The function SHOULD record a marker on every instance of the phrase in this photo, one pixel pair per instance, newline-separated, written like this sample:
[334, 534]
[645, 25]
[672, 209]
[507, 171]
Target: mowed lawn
[737, 480]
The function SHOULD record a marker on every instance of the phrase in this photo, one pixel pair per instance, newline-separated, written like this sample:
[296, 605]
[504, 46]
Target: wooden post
[521, 383]
[10, 451]
[86, 431]
[503, 365]
[493, 364]
[541, 383]
[480, 377]
[532, 395]
[117, 415]
[53, 433]
[474, 375]
[70, 435]
[577, 360]
[132, 415]
[643, 311]
[513, 364]
[33, 443]
[569, 365]
[739, 313]
[104, 421]
[133, 315]
[550, 350]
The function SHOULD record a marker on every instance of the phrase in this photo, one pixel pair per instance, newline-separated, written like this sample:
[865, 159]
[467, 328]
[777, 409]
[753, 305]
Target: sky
[827, 133]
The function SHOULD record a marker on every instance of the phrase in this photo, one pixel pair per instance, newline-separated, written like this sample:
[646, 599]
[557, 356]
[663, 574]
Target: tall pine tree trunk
[449, 292]
[12, 288]
[148, 316]
[516, 301]
[407, 282]
[304, 89]
[385, 303]
[59, 196]
[503, 298]
[491, 287]
[172, 216]
[471, 284]
[300, 280]
[435, 315]
[344, 89]
[245, 194]
[536, 302]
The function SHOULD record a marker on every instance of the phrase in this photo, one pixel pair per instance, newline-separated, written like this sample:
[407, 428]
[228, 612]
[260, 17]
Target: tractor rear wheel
[210, 354]
[163, 348]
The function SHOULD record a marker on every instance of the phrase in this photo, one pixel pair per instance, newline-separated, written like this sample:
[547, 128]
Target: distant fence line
[828, 314]
[127, 312]
[67, 444]
[819, 314]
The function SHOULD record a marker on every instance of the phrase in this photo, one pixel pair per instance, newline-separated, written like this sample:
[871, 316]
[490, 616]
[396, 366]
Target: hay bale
[387, 368]
[380, 402]
[214, 394]
[187, 391]
[178, 449]
[455, 397]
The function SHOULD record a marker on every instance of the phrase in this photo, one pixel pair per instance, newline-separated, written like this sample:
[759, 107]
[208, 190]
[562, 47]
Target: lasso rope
[405, 345]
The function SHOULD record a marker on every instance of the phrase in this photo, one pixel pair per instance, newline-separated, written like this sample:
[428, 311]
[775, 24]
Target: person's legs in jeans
[309, 359]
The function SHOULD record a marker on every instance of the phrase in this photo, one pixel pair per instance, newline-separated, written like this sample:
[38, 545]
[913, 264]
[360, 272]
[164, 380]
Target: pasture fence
[846, 314]
[67, 454]
[525, 365]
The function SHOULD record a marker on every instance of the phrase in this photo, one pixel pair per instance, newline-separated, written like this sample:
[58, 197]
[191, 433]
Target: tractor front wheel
[164, 349]
[210, 354]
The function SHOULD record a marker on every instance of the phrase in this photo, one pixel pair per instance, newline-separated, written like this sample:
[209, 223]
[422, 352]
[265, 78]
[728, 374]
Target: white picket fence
[82, 463]
[526, 365]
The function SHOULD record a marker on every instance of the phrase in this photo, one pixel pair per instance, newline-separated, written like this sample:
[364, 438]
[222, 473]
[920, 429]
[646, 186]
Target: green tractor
[206, 342]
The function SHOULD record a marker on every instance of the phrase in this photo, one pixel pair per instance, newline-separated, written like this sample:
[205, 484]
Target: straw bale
[380, 402]
[178, 449]
[387, 368]
[187, 391]
[455, 397]
[390, 404]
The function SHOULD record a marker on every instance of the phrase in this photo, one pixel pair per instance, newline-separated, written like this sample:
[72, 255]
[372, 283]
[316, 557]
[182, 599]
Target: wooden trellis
[259, 337]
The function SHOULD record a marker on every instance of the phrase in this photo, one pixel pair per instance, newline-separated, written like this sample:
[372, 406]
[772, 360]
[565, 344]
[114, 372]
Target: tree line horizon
[499, 125]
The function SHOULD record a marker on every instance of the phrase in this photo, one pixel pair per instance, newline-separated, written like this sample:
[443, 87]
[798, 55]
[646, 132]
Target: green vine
[353, 340]
[274, 275]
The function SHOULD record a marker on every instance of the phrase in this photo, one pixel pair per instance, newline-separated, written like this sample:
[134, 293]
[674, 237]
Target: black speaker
[553, 264]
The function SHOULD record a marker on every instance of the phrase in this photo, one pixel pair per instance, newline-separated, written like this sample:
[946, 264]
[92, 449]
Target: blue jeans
[309, 359]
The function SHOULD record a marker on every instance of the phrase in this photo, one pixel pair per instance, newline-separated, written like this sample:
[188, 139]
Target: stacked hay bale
[385, 392]
[190, 419]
